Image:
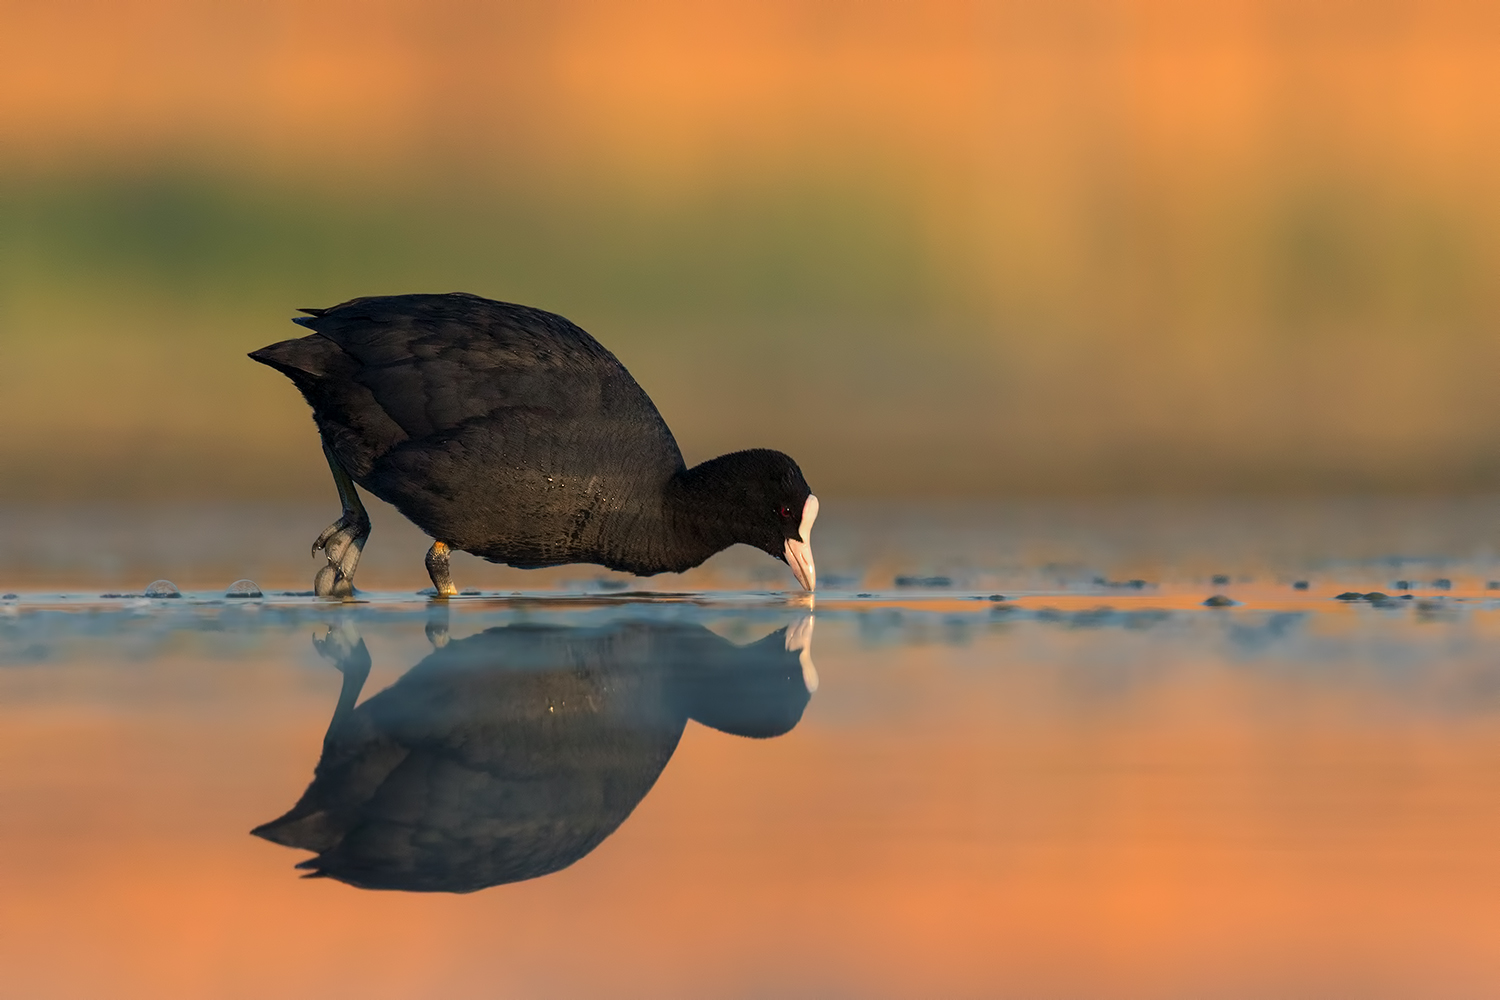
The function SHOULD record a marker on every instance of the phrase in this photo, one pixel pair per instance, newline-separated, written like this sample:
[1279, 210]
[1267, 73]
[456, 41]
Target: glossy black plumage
[511, 433]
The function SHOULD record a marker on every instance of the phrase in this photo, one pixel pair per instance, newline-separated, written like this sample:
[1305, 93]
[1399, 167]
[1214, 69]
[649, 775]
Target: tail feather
[348, 415]
[302, 357]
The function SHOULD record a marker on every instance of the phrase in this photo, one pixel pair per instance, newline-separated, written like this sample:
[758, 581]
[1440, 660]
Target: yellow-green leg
[437, 568]
[342, 541]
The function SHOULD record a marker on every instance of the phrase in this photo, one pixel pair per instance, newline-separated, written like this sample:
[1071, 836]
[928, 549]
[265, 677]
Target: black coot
[511, 433]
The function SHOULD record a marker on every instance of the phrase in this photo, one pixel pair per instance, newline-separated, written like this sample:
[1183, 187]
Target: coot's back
[499, 429]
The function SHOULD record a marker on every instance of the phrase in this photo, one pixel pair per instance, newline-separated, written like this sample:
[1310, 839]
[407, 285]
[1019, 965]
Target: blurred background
[1092, 303]
[946, 248]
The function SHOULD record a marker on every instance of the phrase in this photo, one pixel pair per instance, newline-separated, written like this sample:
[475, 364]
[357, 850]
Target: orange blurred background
[939, 248]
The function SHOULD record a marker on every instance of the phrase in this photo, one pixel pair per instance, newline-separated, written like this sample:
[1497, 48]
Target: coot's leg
[343, 647]
[343, 540]
[437, 624]
[437, 568]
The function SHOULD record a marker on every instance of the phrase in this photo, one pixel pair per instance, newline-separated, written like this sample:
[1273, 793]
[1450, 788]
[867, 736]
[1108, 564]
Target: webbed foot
[342, 542]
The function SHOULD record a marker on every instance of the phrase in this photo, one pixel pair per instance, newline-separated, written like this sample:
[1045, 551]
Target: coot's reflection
[515, 752]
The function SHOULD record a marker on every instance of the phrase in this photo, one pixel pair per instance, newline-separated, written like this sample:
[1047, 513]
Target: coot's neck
[704, 506]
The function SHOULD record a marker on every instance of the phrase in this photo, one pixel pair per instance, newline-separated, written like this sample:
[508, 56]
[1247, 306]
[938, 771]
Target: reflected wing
[501, 757]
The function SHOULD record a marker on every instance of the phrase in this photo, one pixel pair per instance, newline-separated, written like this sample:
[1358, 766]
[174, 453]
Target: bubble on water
[243, 588]
[1220, 601]
[163, 588]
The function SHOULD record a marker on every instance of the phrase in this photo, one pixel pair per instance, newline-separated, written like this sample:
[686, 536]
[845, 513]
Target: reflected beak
[799, 641]
[799, 550]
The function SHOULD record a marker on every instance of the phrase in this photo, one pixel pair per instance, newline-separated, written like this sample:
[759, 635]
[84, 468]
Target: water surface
[1092, 787]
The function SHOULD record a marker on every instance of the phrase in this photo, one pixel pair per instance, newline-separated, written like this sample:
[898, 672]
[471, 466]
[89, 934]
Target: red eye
[785, 511]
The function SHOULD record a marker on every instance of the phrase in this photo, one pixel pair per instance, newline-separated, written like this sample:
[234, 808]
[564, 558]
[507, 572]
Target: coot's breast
[502, 430]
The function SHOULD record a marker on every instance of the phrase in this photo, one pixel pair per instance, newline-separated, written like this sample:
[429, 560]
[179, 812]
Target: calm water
[1092, 788]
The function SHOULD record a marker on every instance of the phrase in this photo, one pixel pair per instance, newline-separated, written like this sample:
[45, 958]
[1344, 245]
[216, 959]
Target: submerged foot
[437, 624]
[342, 646]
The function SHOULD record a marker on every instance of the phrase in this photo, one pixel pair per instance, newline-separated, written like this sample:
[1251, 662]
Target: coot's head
[770, 506]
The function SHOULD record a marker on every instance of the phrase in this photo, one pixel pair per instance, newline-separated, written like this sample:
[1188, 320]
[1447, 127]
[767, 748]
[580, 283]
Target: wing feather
[443, 390]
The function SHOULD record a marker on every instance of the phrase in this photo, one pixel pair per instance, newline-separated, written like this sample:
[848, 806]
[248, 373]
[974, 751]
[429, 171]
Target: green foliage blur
[930, 250]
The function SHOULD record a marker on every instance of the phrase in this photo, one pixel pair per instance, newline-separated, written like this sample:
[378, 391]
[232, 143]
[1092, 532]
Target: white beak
[799, 550]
